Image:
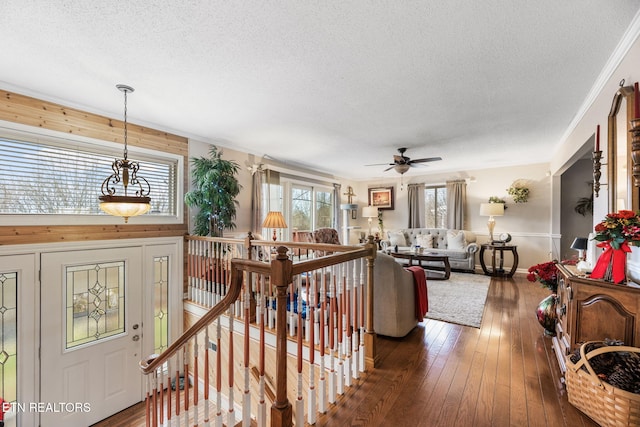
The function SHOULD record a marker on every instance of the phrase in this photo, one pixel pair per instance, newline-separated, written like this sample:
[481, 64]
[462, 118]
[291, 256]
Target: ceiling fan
[402, 163]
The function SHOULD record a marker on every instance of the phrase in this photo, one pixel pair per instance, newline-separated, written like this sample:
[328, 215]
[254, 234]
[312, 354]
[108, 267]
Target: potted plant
[519, 193]
[215, 190]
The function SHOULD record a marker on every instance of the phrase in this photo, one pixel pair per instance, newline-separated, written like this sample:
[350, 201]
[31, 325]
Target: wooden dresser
[592, 310]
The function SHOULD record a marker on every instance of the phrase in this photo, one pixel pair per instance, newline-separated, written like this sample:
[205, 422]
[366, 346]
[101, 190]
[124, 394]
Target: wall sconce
[597, 157]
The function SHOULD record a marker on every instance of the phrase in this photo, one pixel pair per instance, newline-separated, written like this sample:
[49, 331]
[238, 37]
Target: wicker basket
[607, 405]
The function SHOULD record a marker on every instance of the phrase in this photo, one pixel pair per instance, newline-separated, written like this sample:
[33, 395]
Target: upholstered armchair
[326, 235]
[394, 299]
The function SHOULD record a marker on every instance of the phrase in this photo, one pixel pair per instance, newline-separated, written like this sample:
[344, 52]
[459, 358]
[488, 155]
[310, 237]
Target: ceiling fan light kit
[402, 163]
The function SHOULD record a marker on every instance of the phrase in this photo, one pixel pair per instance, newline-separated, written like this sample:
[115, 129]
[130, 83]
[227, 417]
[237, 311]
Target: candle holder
[635, 150]
[597, 156]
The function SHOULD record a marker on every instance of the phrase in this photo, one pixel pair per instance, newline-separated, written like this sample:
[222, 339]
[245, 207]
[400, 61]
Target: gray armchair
[393, 298]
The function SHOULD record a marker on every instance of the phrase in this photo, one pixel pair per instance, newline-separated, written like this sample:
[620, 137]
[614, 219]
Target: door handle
[136, 337]
[135, 326]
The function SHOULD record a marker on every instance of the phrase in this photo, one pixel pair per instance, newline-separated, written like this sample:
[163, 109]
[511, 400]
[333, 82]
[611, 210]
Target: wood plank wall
[43, 114]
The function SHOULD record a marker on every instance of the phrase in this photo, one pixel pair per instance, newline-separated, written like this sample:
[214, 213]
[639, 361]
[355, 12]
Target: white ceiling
[331, 85]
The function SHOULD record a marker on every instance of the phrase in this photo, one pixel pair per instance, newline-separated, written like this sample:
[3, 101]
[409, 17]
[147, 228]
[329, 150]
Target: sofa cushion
[424, 241]
[454, 254]
[397, 238]
[456, 240]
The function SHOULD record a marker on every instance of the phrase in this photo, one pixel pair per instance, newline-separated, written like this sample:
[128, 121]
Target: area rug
[458, 300]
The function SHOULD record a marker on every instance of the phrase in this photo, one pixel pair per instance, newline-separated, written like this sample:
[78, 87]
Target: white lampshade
[491, 209]
[370, 212]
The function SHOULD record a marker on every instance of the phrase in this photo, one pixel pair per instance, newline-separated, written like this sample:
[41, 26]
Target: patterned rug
[458, 300]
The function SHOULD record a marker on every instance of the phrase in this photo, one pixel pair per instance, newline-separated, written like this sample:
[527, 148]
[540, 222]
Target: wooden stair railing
[335, 288]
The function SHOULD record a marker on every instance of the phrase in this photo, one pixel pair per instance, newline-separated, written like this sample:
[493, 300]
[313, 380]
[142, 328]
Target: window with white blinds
[63, 177]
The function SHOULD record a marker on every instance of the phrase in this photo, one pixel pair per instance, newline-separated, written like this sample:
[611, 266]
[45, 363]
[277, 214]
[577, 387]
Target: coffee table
[445, 269]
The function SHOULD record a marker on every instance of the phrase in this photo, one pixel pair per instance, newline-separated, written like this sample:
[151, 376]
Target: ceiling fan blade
[379, 164]
[426, 159]
[389, 168]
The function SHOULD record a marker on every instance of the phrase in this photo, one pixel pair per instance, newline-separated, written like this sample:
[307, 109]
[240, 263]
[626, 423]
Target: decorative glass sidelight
[161, 303]
[95, 302]
[8, 336]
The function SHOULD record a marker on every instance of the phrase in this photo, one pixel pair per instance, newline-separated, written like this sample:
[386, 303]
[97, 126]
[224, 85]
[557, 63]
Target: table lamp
[274, 220]
[580, 244]
[370, 212]
[491, 210]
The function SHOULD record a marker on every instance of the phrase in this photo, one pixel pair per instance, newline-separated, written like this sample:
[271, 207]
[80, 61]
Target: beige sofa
[394, 298]
[460, 248]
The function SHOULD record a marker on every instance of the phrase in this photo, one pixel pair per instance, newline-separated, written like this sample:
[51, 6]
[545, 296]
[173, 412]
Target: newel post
[370, 352]
[281, 277]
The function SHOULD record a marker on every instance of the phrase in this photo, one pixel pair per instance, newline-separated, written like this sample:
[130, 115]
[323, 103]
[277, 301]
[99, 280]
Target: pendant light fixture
[118, 198]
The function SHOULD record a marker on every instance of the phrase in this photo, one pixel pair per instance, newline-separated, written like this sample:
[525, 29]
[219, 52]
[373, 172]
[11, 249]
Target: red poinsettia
[545, 273]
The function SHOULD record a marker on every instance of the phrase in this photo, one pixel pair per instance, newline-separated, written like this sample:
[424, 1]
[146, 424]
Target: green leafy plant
[215, 190]
[381, 223]
[495, 199]
[584, 205]
[520, 194]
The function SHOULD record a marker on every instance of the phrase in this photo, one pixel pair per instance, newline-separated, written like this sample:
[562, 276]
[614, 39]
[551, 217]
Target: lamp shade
[370, 212]
[491, 209]
[274, 219]
[125, 206]
[580, 244]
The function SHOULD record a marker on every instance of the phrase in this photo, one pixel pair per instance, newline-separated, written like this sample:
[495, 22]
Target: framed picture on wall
[381, 198]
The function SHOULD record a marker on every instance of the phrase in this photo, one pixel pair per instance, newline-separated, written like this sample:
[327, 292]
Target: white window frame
[47, 136]
[288, 184]
[426, 210]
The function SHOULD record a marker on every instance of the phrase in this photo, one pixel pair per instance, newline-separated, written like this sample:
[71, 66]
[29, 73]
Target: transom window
[42, 175]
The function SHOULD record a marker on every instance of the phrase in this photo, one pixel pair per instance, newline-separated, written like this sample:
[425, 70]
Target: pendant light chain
[126, 151]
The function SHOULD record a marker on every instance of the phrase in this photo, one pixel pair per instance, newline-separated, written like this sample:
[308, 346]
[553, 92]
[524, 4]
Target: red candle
[598, 138]
[636, 100]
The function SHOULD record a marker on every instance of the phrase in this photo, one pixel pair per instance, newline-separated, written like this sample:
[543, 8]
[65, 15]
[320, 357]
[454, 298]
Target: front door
[91, 329]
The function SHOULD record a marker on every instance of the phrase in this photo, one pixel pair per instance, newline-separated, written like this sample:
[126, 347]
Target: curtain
[336, 207]
[456, 203]
[256, 201]
[415, 193]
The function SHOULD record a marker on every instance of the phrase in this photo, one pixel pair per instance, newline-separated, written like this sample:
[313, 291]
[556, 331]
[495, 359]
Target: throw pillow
[397, 238]
[424, 241]
[456, 240]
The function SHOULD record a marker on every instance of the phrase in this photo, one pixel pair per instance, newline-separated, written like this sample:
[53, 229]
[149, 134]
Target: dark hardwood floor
[442, 374]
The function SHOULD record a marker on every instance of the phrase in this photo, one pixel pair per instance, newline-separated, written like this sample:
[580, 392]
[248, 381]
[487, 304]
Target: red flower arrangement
[616, 233]
[618, 228]
[545, 273]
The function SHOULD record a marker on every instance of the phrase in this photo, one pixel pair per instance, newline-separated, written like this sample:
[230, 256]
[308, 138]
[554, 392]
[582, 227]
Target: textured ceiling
[330, 85]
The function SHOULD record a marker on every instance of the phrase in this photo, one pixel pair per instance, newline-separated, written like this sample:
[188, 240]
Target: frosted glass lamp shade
[125, 206]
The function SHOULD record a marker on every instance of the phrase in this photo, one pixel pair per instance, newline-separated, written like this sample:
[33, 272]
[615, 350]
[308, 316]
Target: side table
[498, 270]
